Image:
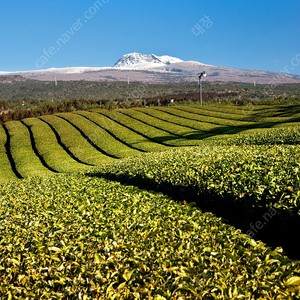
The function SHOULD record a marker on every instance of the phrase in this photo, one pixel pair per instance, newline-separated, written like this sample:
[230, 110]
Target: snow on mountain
[72, 70]
[163, 69]
[144, 61]
[129, 61]
[169, 59]
[67, 70]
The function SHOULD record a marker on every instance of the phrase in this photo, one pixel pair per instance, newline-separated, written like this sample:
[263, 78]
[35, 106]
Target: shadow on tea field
[276, 227]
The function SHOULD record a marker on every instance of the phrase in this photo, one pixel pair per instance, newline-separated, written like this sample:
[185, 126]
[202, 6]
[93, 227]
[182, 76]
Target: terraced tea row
[45, 146]
[243, 184]
[150, 130]
[22, 151]
[277, 136]
[49, 145]
[266, 176]
[6, 162]
[94, 239]
[72, 142]
[102, 140]
[69, 142]
[79, 236]
[126, 134]
[200, 115]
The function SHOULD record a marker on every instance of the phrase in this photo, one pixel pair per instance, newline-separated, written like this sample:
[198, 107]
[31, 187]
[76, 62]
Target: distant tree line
[190, 97]
[40, 108]
[66, 106]
[18, 88]
[8, 114]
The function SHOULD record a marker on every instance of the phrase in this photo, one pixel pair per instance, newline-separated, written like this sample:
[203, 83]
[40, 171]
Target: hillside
[90, 138]
[180, 202]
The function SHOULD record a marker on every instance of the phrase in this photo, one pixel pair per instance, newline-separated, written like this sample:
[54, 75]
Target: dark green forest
[22, 98]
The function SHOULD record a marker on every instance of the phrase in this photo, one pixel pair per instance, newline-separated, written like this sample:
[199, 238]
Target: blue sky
[257, 34]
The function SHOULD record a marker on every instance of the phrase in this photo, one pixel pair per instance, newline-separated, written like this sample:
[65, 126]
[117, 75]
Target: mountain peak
[144, 61]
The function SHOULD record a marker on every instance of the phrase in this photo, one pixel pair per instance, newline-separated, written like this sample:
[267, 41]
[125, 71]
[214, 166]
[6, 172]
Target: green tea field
[179, 202]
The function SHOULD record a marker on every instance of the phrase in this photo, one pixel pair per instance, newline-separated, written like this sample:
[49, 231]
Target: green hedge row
[154, 134]
[6, 172]
[193, 114]
[124, 134]
[258, 176]
[175, 129]
[26, 160]
[100, 137]
[76, 144]
[288, 136]
[215, 117]
[76, 237]
[47, 145]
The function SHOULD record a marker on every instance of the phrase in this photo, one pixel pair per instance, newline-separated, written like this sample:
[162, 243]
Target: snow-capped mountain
[157, 69]
[144, 61]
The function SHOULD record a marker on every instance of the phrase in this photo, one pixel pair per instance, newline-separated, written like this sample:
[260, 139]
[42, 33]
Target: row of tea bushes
[6, 172]
[77, 237]
[289, 136]
[257, 176]
[154, 134]
[104, 141]
[26, 161]
[125, 134]
[48, 147]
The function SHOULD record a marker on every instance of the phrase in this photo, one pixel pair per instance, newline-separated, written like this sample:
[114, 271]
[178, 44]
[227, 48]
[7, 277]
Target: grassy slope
[100, 239]
[70, 142]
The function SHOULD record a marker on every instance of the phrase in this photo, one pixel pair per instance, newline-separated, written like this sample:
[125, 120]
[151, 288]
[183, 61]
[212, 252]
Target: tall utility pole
[203, 74]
